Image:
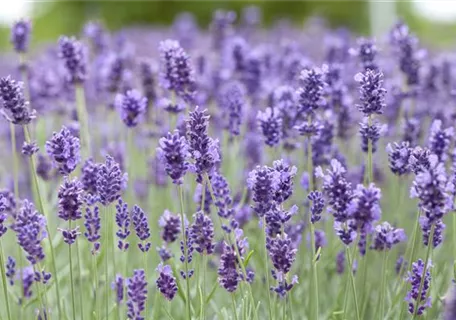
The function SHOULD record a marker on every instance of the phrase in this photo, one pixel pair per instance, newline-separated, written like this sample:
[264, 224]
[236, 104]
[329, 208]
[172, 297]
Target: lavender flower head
[3, 215]
[201, 233]
[176, 71]
[228, 275]
[173, 151]
[137, 295]
[364, 207]
[123, 221]
[366, 52]
[419, 302]
[141, 226]
[270, 125]
[203, 149]
[14, 106]
[64, 150]
[286, 175]
[263, 182]
[70, 200]
[109, 181]
[118, 286]
[318, 203]
[386, 236]
[29, 149]
[439, 228]
[170, 224]
[431, 188]
[372, 94]
[398, 157]
[370, 132]
[89, 176]
[337, 190]
[310, 93]
[92, 224]
[233, 102]
[10, 270]
[166, 282]
[20, 35]
[73, 54]
[132, 107]
[440, 139]
[30, 231]
[222, 193]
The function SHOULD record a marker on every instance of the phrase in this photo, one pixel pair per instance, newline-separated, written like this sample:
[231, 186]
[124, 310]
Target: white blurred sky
[440, 10]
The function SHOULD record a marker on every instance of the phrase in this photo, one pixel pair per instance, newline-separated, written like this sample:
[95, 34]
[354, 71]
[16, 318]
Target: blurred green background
[52, 18]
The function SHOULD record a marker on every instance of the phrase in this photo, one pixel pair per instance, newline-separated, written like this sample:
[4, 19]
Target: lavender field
[228, 172]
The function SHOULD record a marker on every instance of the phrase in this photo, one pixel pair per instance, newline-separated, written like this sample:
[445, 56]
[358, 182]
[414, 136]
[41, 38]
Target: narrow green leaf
[247, 259]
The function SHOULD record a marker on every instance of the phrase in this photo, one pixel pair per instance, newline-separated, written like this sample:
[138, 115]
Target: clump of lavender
[123, 221]
[201, 233]
[132, 107]
[318, 203]
[30, 231]
[282, 255]
[11, 270]
[141, 226]
[137, 294]
[118, 285]
[263, 181]
[14, 106]
[109, 181]
[166, 282]
[64, 150]
[173, 151]
[440, 140]
[170, 224]
[417, 296]
[74, 56]
[203, 149]
[398, 157]
[20, 35]
[176, 71]
[92, 224]
[385, 237]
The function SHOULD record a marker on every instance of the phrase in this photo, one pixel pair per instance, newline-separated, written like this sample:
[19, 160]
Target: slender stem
[83, 120]
[145, 271]
[4, 282]
[95, 275]
[15, 160]
[352, 280]
[204, 285]
[369, 156]
[454, 244]
[81, 300]
[233, 302]
[266, 269]
[40, 293]
[382, 288]
[39, 201]
[108, 243]
[423, 275]
[71, 276]
[184, 237]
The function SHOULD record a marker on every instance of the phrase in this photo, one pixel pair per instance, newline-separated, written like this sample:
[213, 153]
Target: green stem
[454, 244]
[15, 160]
[204, 285]
[423, 275]
[95, 275]
[71, 277]
[233, 302]
[266, 269]
[382, 288]
[107, 244]
[40, 293]
[83, 121]
[184, 237]
[39, 201]
[369, 156]
[81, 300]
[4, 282]
[352, 280]
[145, 271]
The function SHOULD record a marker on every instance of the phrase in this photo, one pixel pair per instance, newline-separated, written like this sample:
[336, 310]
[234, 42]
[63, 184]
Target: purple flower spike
[318, 203]
[340, 262]
[270, 125]
[14, 106]
[366, 52]
[20, 35]
[281, 253]
[11, 270]
[337, 189]
[123, 223]
[398, 157]
[419, 160]
[450, 303]
[203, 149]
[70, 200]
[109, 181]
[386, 236]
[228, 275]
[439, 227]
[201, 233]
[89, 176]
[119, 287]
[346, 231]
[286, 175]
[263, 181]
[370, 132]
[173, 151]
[419, 302]
[141, 225]
[92, 224]
[147, 72]
[440, 140]
[166, 282]
[171, 226]
[372, 94]
[176, 70]
[430, 187]
[73, 54]
[30, 231]
[310, 93]
[29, 149]
[3, 215]
[232, 101]
[222, 195]
[132, 107]
[70, 235]
[137, 295]
[64, 150]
